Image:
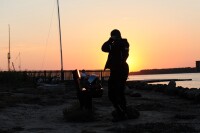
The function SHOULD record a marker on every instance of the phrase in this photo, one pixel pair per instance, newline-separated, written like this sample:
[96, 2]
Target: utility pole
[9, 49]
[61, 57]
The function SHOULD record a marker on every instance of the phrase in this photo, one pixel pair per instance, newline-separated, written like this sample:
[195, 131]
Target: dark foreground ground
[40, 110]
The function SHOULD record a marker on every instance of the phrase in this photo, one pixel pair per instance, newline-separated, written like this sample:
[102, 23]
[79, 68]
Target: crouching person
[85, 98]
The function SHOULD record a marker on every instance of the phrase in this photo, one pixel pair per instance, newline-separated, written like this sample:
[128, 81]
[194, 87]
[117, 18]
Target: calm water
[195, 83]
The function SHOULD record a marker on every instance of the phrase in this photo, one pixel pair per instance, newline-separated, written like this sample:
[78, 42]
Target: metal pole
[9, 49]
[61, 57]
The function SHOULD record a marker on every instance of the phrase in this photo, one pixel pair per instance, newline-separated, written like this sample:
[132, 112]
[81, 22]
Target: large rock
[171, 88]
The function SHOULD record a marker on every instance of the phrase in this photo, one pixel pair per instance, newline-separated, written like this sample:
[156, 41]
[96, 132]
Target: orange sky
[162, 34]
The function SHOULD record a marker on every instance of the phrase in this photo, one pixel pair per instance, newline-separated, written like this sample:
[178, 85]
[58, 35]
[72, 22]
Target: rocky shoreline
[170, 89]
[163, 109]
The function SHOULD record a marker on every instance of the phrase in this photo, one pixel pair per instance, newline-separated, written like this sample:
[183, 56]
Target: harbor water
[194, 83]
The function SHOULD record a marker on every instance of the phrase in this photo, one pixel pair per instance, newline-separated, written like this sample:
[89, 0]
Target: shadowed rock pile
[170, 89]
[158, 127]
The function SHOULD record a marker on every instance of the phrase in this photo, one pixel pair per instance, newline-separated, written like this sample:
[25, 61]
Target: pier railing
[67, 74]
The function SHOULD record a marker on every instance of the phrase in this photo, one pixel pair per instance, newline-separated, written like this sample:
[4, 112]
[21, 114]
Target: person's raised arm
[106, 47]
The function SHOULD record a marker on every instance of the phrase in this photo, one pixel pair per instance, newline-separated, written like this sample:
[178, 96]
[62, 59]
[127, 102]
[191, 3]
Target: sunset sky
[161, 33]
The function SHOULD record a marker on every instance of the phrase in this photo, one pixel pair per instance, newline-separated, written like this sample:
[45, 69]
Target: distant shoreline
[165, 71]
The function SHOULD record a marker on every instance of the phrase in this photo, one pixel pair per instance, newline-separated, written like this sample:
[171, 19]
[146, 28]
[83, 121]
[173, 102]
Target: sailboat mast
[9, 49]
[19, 61]
[61, 57]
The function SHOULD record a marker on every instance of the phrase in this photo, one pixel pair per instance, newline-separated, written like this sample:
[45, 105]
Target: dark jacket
[118, 52]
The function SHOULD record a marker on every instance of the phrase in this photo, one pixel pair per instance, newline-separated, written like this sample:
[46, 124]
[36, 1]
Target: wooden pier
[67, 73]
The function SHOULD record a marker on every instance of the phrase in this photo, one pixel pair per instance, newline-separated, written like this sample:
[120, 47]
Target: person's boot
[118, 115]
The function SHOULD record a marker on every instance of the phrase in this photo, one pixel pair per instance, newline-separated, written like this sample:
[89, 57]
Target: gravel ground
[39, 111]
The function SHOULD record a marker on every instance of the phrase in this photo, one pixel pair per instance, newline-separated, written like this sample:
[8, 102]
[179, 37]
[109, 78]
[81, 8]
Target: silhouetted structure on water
[198, 66]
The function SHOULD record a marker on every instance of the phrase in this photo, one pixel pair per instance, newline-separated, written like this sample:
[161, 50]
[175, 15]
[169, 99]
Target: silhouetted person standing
[118, 49]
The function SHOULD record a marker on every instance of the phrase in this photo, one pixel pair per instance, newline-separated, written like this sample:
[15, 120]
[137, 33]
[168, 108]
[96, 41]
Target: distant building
[198, 66]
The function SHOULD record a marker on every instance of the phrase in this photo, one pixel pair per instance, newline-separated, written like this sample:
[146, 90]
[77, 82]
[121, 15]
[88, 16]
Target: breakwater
[194, 83]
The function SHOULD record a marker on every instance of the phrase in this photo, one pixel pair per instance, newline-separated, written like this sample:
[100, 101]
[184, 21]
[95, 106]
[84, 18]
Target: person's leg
[115, 95]
[112, 92]
[122, 101]
[123, 77]
[117, 98]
